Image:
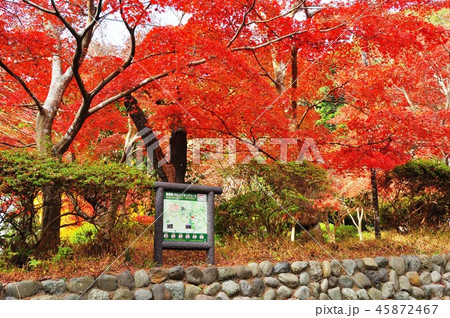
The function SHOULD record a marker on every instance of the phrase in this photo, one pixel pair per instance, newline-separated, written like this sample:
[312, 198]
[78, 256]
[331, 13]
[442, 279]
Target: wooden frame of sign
[184, 219]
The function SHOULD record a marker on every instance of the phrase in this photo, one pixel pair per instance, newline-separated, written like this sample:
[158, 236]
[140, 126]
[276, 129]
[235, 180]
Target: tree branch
[250, 48]
[40, 8]
[242, 24]
[23, 84]
[146, 81]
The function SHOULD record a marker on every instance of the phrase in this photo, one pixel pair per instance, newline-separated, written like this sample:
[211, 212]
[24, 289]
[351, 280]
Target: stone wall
[405, 277]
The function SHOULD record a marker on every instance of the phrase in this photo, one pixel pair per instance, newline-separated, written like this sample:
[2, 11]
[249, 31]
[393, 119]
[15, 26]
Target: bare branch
[23, 84]
[242, 24]
[293, 9]
[40, 8]
[64, 21]
[263, 68]
[250, 48]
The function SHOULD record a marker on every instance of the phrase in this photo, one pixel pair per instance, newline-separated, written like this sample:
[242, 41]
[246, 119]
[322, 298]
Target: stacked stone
[405, 277]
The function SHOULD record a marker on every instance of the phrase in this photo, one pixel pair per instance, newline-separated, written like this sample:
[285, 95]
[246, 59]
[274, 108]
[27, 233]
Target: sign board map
[185, 217]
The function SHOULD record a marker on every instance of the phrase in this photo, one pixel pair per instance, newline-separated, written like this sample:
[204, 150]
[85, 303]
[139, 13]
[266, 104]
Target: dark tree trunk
[174, 171]
[178, 153]
[51, 218]
[294, 71]
[376, 208]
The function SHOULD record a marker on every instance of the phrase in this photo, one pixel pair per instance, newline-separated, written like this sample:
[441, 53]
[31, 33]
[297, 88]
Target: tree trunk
[51, 194]
[51, 218]
[376, 208]
[173, 171]
[178, 153]
[294, 71]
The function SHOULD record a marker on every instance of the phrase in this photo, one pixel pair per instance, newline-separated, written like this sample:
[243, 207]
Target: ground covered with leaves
[78, 261]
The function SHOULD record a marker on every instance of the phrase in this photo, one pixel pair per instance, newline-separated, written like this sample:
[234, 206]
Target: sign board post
[184, 215]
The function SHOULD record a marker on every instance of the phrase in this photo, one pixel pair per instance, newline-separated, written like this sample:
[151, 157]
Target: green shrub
[64, 252]
[83, 235]
[416, 194]
[343, 232]
[266, 196]
[94, 190]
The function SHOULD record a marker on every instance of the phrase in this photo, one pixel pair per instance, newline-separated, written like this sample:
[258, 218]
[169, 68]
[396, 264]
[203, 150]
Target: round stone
[361, 280]
[302, 293]
[304, 278]
[71, 297]
[326, 269]
[97, 294]
[123, 294]
[246, 288]
[288, 279]
[254, 268]
[243, 272]
[374, 294]
[191, 291]
[107, 282]
[281, 267]
[425, 262]
[226, 273]
[157, 275]
[298, 267]
[283, 292]
[349, 294]
[332, 282]
[413, 263]
[258, 287]
[324, 285]
[315, 270]
[417, 293]
[176, 290]
[362, 294]
[210, 275]
[80, 284]
[203, 297]
[324, 296]
[230, 288]
[212, 289]
[397, 264]
[160, 292]
[23, 289]
[126, 279]
[194, 275]
[336, 268]
[437, 259]
[272, 282]
[315, 289]
[388, 290]
[403, 283]
[269, 294]
[433, 291]
[393, 277]
[52, 286]
[435, 277]
[176, 273]
[381, 261]
[346, 281]
[349, 266]
[141, 278]
[143, 294]
[266, 268]
[360, 265]
[377, 277]
[370, 263]
[222, 296]
[335, 293]
[401, 295]
[414, 279]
